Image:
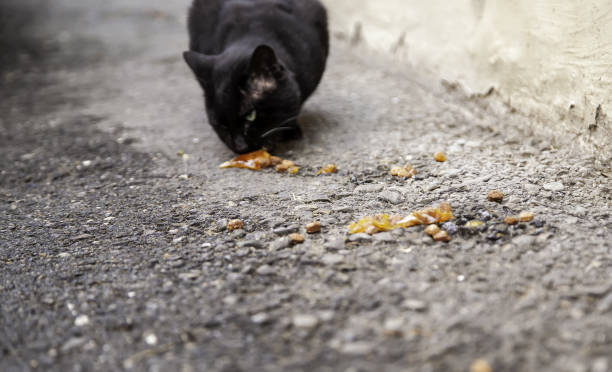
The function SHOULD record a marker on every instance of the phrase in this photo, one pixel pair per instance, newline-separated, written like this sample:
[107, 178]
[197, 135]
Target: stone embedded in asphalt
[361, 237]
[415, 305]
[190, 275]
[251, 243]
[332, 259]
[305, 321]
[554, 186]
[285, 230]
[260, 318]
[266, 270]
[524, 241]
[391, 196]
[384, 237]
[73, 343]
[357, 348]
[370, 188]
[335, 244]
[81, 321]
[280, 243]
[393, 327]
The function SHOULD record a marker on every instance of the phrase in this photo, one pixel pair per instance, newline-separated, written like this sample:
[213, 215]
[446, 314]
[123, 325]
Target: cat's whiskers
[279, 128]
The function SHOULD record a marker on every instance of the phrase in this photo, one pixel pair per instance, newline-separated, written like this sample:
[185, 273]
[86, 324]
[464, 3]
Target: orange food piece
[254, 161]
[526, 216]
[328, 169]
[383, 222]
[440, 157]
[511, 220]
[235, 225]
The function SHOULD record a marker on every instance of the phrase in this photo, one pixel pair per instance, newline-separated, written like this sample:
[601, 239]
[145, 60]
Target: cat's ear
[200, 64]
[263, 61]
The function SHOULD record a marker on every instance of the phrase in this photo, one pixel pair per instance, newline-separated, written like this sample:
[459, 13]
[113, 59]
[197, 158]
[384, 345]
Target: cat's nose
[240, 144]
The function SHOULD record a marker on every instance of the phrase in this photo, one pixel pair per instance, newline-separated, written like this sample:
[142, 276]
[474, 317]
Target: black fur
[257, 61]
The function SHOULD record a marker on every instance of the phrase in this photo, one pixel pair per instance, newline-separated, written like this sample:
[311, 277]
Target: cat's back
[214, 21]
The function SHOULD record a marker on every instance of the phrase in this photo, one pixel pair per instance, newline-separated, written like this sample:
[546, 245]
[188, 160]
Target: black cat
[257, 61]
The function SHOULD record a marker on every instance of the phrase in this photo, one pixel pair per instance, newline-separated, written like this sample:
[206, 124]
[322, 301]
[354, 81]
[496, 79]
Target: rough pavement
[113, 252]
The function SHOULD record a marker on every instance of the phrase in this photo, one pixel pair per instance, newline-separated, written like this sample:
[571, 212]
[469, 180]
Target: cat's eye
[251, 116]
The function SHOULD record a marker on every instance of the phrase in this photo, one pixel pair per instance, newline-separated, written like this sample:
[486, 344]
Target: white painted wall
[551, 59]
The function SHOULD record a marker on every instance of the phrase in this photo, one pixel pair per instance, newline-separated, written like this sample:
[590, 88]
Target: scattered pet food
[440, 157]
[405, 172]
[328, 169]
[284, 166]
[474, 224]
[511, 220]
[254, 161]
[526, 216]
[496, 196]
[442, 236]
[313, 228]
[259, 160]
[432, 230]
[480, 365]
[383, 222]
[235, 225]
[296, 238]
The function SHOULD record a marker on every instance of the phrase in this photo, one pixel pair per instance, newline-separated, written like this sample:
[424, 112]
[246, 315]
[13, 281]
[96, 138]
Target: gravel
[94, 89]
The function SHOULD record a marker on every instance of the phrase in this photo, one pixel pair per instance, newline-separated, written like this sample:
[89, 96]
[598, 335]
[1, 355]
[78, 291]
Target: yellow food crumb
[328, 169]
[383, 222]
[440, 157]
[474, 224]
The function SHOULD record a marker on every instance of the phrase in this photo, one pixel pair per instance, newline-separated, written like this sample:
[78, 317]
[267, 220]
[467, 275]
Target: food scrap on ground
[284, 166]
[440, 157]
[474, 224]
[404, 172]
[480, 365]
[432, 230]
[511, 220]
[259, 160]
[235, 225]
[254, 161]
[328, 169]
[313, 228]
[296, 238]
[526, 216]
[383, 222]
[442, 236]
[496, 196]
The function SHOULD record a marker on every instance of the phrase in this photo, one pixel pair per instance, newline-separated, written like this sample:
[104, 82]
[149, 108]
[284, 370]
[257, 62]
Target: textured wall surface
[551, 59]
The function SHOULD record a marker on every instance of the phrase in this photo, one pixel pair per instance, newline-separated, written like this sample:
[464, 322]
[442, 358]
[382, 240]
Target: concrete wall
[551, 59]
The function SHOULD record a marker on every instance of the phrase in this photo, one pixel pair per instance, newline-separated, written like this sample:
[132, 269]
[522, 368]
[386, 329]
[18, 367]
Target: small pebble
[81, 321]
[496, 196]
[526, 216]
[450, 227]
[440, 157]
[313, 228]
[305, 321]
[266, 270]
[554, 186]
[235, 225]
[260, 318]
[393, 327]
[297, 238]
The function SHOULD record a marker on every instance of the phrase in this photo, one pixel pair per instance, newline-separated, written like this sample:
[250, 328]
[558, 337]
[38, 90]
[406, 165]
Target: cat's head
[251, 98]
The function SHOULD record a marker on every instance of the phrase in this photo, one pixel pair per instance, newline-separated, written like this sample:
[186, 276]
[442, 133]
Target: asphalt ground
[114, 253]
